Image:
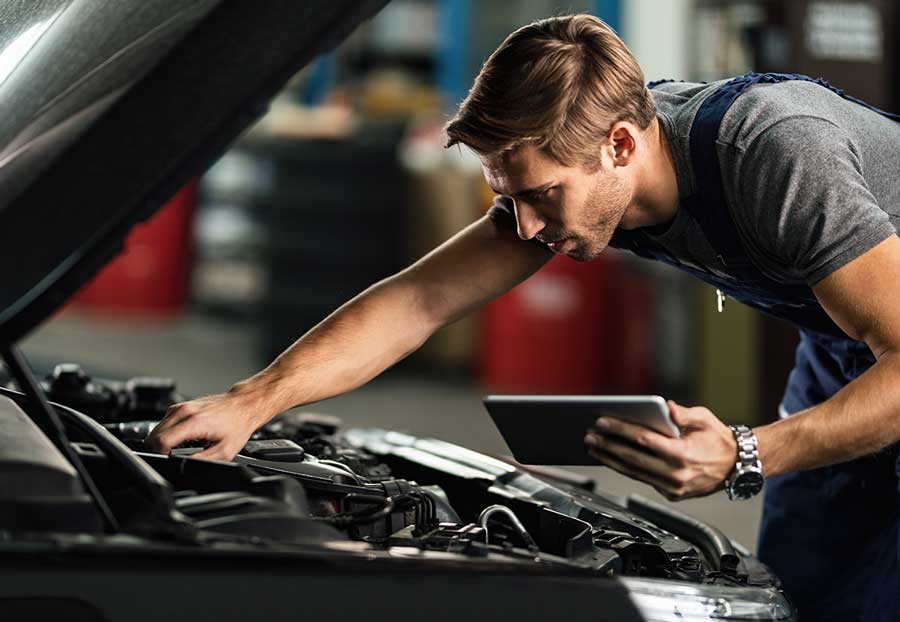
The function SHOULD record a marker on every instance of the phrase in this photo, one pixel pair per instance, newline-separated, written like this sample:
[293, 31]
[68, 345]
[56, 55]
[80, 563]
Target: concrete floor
[207, 355]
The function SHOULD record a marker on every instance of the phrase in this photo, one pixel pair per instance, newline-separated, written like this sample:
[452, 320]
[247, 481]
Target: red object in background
[571, 328]
[152, 275]
[628, 342]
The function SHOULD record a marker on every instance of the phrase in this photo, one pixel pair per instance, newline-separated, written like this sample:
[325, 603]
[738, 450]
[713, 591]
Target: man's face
[573, 210]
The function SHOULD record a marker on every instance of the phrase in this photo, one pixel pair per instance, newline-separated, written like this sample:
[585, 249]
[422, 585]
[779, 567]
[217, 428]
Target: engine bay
[302, 479]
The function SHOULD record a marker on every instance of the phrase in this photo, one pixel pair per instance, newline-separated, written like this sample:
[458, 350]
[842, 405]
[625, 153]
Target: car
[109, 107]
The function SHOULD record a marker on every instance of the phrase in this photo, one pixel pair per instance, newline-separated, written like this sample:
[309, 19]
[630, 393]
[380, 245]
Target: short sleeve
[803, 200]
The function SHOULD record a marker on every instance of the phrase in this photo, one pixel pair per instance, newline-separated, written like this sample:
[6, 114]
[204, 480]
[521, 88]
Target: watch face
[747, 484]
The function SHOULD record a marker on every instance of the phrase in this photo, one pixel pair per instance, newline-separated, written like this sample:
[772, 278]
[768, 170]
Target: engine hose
[502, 509]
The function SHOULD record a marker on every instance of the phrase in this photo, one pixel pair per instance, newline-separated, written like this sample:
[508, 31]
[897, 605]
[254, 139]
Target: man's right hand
[222, 422]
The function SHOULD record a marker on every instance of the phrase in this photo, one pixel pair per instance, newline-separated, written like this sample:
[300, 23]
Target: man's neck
[658, 193]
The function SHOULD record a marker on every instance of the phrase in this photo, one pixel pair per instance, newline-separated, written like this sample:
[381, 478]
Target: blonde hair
[559, 83]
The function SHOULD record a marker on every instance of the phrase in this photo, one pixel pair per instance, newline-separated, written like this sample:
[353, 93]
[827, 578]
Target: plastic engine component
[39, 489]
[277, 449]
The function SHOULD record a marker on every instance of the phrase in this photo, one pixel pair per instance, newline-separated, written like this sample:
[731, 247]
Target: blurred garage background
[344, 181]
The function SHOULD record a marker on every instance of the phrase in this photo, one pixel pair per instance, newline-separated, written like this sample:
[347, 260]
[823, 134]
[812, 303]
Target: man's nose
[528, 221]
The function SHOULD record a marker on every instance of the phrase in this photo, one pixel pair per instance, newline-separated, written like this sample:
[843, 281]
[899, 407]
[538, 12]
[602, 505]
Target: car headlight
[668, 601]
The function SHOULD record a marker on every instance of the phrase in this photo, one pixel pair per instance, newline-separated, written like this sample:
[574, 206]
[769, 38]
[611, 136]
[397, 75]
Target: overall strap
[707, 205]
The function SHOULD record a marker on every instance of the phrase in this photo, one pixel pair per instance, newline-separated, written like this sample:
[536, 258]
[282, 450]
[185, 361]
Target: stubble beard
[602, 212]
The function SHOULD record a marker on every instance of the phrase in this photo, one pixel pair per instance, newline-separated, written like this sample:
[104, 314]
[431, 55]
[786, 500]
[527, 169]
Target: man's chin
[589, 251]
[585, 254]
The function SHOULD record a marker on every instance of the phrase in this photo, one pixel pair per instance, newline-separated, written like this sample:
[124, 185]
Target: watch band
[747, 465]
[748, 446]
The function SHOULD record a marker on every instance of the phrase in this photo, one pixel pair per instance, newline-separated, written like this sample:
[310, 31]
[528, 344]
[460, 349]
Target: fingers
[664, 487]
[672, 488]
[166, 436]
[176, 427]
[632, 456]
[212, 419]
[216, 451]
[639, 435]
[693, 465]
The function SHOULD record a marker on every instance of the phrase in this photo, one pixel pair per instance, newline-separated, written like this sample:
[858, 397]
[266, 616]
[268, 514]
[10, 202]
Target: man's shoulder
[784, 108]
[678, 101]
[758, 109]
[679, 98]
[684, 89]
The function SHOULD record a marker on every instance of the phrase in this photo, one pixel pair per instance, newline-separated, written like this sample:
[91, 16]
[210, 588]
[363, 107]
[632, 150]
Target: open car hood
[110, 107]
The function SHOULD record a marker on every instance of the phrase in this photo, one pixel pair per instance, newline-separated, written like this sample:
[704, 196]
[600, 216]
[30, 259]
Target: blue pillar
[451, 67]
[610, 11]
[321, 79]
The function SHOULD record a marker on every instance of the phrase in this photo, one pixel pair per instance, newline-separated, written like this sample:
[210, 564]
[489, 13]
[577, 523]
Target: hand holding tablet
[550, 429]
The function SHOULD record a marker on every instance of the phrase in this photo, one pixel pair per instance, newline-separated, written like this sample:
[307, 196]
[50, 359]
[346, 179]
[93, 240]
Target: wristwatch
[746, 480]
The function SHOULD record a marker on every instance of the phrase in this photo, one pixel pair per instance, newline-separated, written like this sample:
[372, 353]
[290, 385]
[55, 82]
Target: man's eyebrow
[528, 191]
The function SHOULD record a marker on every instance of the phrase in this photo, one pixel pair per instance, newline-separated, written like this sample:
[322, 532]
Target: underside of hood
[110, 107]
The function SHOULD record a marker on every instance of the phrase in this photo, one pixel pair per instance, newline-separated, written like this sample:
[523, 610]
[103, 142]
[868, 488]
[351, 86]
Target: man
[779, 190]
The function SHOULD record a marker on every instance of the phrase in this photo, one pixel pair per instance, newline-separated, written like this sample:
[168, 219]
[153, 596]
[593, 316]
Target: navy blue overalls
[831, 534]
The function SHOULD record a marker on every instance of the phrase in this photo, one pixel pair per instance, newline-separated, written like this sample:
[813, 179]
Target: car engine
[302, 479]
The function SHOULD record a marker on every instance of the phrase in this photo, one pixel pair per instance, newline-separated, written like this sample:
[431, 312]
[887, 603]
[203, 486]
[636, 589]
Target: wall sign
[846, 31]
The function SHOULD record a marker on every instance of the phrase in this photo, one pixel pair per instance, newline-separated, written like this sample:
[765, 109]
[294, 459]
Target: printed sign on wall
[845, 31]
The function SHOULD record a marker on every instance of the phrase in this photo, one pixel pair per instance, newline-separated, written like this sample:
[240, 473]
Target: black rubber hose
[714, 544]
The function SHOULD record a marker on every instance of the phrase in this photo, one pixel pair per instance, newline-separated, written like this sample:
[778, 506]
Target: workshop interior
[342, 179]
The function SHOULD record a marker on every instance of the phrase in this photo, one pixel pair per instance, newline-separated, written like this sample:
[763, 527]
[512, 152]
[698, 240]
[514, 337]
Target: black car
[108, 108]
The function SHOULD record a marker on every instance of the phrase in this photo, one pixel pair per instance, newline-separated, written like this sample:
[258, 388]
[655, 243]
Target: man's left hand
[694, 465]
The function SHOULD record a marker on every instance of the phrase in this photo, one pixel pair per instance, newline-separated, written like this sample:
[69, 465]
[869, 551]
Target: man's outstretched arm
[362, 338]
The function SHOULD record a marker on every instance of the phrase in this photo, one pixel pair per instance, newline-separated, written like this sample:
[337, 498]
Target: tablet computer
[549, 429]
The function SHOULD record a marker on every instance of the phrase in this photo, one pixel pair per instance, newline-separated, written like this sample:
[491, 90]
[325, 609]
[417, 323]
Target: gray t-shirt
[810, 178]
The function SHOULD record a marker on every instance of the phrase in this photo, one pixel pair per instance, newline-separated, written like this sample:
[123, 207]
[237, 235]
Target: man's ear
[622, 139]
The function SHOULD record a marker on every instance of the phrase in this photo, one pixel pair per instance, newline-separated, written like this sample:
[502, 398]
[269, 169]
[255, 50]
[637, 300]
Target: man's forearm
[860, 419]
[350, 347]
[392, 318]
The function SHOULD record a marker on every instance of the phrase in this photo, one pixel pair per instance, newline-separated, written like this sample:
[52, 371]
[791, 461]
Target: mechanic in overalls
[779, 190]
